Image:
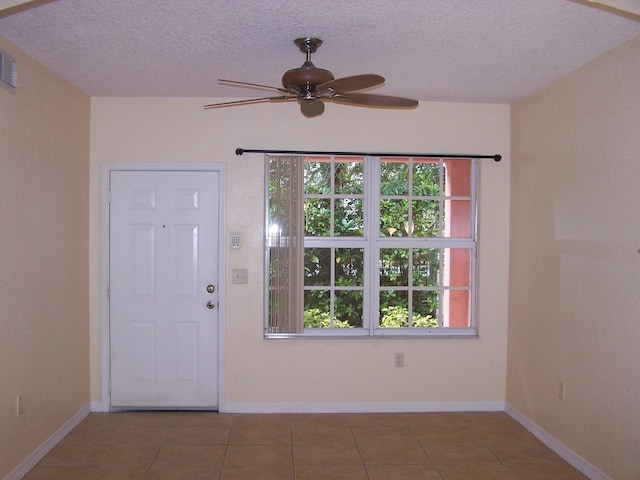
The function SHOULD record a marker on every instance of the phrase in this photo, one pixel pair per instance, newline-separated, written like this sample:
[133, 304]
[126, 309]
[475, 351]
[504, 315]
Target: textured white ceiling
[438, 50]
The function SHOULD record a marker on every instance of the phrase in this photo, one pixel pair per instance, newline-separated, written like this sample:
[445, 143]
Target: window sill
[457, 333]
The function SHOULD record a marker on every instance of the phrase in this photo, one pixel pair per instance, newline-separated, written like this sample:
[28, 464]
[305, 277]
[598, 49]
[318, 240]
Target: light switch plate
[240, 275]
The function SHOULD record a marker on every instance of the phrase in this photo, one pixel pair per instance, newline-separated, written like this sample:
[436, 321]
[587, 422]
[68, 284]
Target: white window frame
[372, 243]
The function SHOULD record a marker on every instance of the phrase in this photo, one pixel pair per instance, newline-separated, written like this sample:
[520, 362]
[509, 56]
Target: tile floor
[402, 446]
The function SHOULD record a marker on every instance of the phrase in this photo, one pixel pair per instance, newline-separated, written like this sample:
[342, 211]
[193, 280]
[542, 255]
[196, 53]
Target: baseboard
[38, 454]
[558, 447]
[99, 407]
[373, 407]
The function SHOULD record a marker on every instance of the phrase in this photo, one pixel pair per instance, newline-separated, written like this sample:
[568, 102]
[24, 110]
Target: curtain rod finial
[497, 158]
[239, 151]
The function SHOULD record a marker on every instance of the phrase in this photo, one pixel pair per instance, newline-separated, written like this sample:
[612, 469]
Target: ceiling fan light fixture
[312, 107]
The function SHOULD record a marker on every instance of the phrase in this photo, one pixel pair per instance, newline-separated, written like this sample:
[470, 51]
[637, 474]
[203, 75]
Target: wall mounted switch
[235, 240]
[240, 275]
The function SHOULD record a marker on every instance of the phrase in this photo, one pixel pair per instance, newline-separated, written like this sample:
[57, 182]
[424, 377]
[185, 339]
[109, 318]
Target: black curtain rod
[240, 151]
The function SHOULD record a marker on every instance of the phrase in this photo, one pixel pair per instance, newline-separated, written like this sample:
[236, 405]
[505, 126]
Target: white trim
[38, 454]
[98, 407]
[104, 285]
[104, 405]
[558, 447]
[355, 407]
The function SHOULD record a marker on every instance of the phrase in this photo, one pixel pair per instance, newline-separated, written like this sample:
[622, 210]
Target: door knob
[211, 305]
[211, 288]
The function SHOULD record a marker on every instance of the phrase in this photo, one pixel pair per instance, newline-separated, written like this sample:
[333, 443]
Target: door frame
[105, 360]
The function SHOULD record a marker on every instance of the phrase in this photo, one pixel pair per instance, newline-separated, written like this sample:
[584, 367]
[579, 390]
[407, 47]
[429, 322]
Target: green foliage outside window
[395, 316]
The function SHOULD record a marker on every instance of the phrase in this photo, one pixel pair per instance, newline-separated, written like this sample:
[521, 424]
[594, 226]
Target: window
[370, 246]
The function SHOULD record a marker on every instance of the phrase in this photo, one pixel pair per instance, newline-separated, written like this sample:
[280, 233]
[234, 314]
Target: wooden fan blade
[256, 85]
[249, 100]
[348, 84]
[371, 100]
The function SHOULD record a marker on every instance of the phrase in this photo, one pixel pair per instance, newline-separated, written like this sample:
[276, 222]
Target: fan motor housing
[306, 76]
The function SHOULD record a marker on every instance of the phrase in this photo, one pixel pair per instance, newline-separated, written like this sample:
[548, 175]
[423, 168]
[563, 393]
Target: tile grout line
[293, 457]
[227, 445]
[162, 444]
[355, 440]
[426, 451]
[226, 448]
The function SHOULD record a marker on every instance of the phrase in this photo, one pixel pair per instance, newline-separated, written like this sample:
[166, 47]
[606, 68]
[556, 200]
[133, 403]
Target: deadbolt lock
[211, 305]
[211, 288]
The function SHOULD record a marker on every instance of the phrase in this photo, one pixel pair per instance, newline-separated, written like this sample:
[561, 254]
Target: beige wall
[295, 373]
[575, 273]
[44, 168]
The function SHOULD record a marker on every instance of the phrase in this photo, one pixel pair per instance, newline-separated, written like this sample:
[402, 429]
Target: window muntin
[406, 266]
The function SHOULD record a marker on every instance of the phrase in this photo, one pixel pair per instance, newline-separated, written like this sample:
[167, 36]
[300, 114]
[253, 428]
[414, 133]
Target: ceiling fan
[311, 86]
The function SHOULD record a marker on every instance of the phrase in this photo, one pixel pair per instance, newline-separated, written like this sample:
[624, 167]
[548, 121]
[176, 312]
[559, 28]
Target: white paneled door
[163, 303]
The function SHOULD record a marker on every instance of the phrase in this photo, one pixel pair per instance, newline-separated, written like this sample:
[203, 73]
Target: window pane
[426, 304]
[349, 217]
[317, 309]
[458, 218]
[458, 177]
[394, 267]
[317, 177]
[394, 218]
[426, 266]
[349, 177]
[317, 267]
[393, 309]
[317, 217]
[282, 175]
[458, 272]
[426, 218]
[426, 178]
[280, 215]
[350, 267]
[394, 177]
[458, 308]
[348, 309]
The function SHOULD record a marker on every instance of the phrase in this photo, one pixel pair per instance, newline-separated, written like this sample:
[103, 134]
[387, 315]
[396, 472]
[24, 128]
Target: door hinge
[109, 387]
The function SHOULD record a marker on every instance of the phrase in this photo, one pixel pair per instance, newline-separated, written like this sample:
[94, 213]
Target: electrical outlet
[19, 405]
[561, 390]
[399, 360]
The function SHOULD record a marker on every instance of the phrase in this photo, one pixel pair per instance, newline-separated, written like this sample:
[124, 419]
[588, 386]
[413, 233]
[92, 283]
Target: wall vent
[8, 72]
